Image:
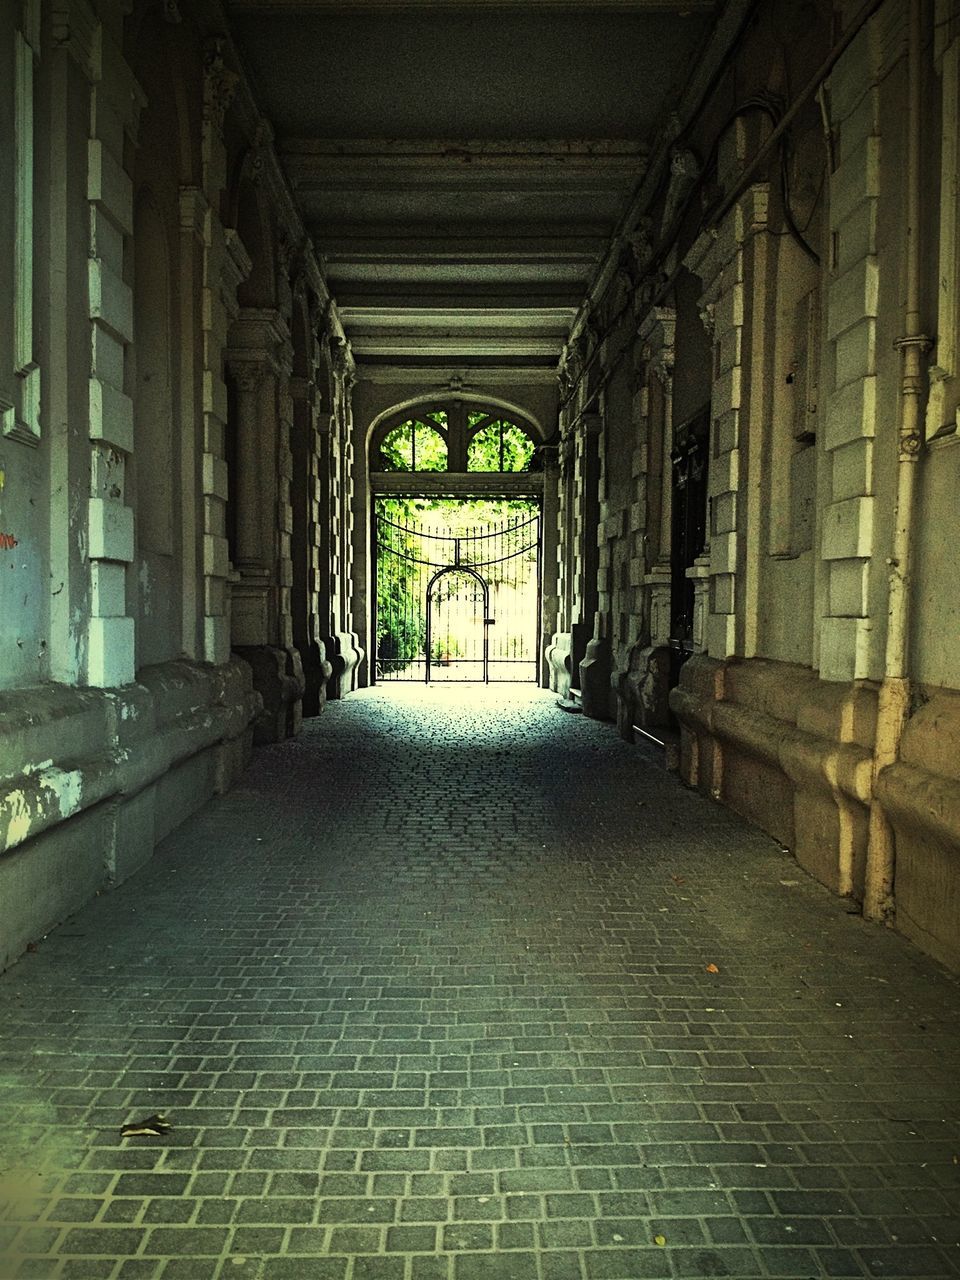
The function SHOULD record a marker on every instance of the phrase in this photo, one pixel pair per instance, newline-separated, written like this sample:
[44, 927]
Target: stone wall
[795, 266]
[153, 385]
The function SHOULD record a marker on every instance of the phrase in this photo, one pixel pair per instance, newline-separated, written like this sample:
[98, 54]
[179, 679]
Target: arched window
[497, 445]
[416, 445]
[454, 436]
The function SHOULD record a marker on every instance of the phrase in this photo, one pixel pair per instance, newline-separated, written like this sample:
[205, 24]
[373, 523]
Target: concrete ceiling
[463, 167]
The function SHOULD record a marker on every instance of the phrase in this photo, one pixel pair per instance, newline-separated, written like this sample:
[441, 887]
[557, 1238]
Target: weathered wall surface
[772, 297]
[792, 747]
[85, 791]
[146, 514]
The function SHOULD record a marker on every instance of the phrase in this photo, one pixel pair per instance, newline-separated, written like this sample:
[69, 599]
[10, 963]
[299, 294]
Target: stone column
[590, 642]
[261, 625]
[342, 642]
[559, 650]
[644, 687]
[549, 565]
[307, 441]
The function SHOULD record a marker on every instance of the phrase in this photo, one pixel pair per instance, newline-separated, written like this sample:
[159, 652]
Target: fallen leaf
[678, 879]
[712, 968]
[155, 1126]
[660, 1240]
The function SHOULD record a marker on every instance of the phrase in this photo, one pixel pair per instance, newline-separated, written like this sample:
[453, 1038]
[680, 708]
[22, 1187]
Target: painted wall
[24, 577]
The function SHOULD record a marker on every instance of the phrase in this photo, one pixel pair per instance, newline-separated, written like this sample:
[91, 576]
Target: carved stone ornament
[708, 316]
[620, 293]
[343, 366]
[641, 245]
[219, 82]
[684, 171]
[571, 367]
[248, 374]
[592, 334]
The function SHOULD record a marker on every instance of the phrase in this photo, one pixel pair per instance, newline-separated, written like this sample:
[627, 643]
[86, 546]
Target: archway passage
[458, 589]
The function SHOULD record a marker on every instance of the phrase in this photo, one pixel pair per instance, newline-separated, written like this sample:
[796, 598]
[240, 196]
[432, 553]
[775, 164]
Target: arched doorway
[458, 624]
[457, 492]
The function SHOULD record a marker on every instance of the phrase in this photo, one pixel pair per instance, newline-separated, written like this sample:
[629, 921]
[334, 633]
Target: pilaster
[848, 644]
[726, 260]
[116, 103]
[226, 264]
[657, 336]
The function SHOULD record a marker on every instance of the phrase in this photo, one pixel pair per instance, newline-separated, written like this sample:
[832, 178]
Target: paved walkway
[431, 996]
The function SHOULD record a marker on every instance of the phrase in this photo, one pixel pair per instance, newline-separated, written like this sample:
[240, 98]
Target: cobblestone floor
[429, 997]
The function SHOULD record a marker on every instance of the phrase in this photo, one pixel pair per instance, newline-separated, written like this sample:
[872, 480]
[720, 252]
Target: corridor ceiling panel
[462, 168]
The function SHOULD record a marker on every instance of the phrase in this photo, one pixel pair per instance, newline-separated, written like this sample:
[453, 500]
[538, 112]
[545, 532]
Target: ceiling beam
[456, 380]
[357, 8]
[415, 315]
[306, 156]
[453, 345]
[390, 247]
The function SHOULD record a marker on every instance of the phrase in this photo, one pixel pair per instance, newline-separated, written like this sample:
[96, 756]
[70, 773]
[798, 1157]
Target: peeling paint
[66, 785]
[29, 769]
[53, 788]
[18, 823]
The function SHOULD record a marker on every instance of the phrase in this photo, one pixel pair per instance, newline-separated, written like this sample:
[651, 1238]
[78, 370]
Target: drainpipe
[893, 704]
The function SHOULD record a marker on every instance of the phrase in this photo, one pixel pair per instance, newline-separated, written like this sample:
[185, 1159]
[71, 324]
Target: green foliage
[421, 444]
[401, 603]
[401, 625]
[415, 446]
[499, 446]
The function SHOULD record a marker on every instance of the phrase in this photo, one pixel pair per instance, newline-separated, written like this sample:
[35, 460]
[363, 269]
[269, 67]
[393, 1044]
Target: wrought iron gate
[459, 605]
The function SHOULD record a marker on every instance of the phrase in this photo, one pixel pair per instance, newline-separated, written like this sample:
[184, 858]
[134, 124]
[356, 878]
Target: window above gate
[453, 438]
[415, 445]
[496, 444]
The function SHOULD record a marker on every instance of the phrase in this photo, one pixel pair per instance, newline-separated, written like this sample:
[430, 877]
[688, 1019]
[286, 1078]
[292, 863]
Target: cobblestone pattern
[427, 998]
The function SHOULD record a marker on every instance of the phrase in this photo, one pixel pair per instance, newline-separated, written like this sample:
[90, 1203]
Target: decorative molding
[236, 264]
[684, 171]
[16, 422]
[219, 82]
[247, 371]
[75, 27]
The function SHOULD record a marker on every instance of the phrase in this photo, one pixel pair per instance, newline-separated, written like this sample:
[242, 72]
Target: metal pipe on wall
[893, 706]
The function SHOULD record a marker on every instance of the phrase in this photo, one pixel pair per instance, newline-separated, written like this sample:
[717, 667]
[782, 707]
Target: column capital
[219, 82]
[247, 370]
